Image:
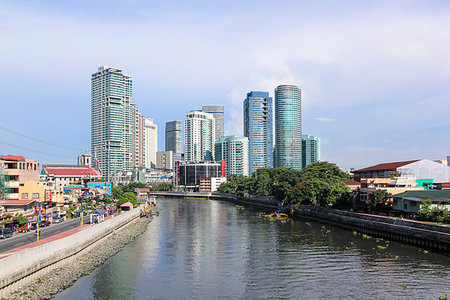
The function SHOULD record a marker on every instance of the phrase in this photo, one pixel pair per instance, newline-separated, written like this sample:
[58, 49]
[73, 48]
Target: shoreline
[63, 277]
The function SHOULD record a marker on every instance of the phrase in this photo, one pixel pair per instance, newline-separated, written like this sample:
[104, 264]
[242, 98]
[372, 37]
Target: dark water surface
[202, 249]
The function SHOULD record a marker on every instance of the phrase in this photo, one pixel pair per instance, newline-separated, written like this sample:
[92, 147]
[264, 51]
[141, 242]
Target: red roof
[387, 166]
[69, 170]
[13, 157]
[15, 202]
[127, 204]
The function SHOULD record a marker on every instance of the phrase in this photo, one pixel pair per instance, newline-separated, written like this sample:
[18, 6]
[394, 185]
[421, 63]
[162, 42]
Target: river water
[202, 249]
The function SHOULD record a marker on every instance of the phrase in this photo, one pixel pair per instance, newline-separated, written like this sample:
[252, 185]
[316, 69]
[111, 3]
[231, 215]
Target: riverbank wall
[421, 234]
[24, 267]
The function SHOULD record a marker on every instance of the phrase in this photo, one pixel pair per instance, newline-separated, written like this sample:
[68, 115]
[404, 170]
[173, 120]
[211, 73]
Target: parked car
[58, 220]
[33, 226]
[44, 223]
[5, 233]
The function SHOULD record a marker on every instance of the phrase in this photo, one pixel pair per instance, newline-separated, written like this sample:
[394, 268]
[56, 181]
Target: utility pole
[38, 217]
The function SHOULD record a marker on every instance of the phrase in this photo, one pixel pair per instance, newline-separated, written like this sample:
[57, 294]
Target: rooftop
[387, 166]
[13, 158]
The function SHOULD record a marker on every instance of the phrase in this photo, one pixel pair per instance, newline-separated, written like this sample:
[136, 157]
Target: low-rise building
[399, 177]
[17, 170]
[211, 184]
[64, 175]
[412, 201]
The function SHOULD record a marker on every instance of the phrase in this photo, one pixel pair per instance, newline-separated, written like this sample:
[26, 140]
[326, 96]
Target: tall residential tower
[151, 143]
[111, 120]
[199, 136]
[234, 151]
[288, 127]
[258, 122]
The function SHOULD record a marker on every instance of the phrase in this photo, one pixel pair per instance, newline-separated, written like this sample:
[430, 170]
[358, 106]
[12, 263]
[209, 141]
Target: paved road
[21, 239]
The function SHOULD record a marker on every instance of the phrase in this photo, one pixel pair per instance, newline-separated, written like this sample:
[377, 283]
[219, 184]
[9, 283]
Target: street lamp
[38, 220]
[81, 214]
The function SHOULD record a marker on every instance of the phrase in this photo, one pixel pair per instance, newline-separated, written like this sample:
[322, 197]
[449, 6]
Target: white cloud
[326, 120]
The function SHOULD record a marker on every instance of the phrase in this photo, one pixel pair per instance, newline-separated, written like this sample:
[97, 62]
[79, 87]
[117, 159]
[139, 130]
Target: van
[5, 233]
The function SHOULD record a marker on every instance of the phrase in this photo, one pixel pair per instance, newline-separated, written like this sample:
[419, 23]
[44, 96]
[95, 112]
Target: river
[206, 249]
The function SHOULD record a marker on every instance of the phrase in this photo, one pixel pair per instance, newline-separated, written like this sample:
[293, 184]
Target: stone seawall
[21, 269]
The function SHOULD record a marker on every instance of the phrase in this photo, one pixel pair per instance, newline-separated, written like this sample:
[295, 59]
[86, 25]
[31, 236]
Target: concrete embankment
[421, 234]
[43, 271]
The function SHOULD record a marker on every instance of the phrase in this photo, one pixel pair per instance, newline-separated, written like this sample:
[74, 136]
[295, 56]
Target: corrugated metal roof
[387, 166]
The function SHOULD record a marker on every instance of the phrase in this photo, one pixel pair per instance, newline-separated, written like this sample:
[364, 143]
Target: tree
[380, 201]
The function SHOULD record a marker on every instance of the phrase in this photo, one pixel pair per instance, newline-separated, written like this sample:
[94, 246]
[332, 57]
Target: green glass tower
[288, 127]
[111, 121]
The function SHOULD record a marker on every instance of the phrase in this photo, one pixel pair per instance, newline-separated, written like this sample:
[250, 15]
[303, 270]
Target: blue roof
[98, 211]
[141, 200]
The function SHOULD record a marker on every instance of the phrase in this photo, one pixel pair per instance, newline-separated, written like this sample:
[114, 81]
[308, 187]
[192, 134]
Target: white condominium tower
[199, 136]
[151, 143]
[234, 151]
[116, 124]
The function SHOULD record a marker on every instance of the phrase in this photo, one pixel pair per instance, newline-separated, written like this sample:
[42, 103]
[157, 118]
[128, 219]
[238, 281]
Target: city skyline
[350, 80]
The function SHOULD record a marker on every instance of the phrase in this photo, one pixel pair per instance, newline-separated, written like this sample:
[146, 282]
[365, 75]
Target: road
[21, 239]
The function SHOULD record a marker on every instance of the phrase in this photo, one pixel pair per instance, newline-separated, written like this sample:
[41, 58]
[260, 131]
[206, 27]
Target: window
[24, 195]
[413, 204]
[35, 195]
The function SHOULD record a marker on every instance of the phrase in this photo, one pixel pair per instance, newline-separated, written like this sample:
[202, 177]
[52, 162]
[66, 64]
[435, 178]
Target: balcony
[12, 184]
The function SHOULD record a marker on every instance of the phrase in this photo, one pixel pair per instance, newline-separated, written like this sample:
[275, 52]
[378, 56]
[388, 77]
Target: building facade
[138, 138]
[310, 149]
[199, 136]
[150, 143]
[258, 127]
[111, 120]
[16, 171]
[164, 160]
[234, 151]
[288, 127]
[218, 112]
[173, 136]
[189, 173]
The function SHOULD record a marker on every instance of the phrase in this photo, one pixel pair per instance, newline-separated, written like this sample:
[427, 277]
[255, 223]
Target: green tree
[380, 201]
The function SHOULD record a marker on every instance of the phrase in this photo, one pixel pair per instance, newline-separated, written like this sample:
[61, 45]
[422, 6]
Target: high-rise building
[310, 149]
[258, 127]
[138, 138]
[199, 136]
[173, 136]
[288, 127]
[234, 151]
[150, 142]
[111, 120]
[218, 112]
[164, 160]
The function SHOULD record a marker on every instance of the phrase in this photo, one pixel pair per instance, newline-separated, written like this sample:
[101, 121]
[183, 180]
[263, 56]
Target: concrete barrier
[37, 259]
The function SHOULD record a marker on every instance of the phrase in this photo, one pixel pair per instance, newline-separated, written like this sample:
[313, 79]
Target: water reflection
[211, 249]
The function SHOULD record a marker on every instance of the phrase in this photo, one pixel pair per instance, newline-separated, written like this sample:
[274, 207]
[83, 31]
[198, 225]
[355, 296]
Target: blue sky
[374, 74]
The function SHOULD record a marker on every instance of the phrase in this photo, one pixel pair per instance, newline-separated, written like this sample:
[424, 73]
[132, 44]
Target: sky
[374, 75]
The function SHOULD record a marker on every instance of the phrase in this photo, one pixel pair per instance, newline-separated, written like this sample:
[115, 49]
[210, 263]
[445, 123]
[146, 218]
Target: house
[412, 201]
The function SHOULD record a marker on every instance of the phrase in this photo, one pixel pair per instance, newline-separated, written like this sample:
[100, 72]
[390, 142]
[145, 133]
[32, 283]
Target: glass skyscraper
[173, 136]
[258, 127]
[288, 127]
[310, 149]
[218, 112]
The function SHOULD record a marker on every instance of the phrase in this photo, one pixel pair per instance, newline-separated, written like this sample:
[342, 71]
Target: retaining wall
[30, 261]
